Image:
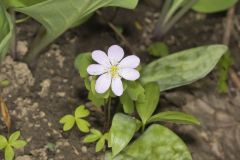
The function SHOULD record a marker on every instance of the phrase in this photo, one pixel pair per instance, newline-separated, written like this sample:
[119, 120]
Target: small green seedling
[94, 136]
[11, 144]
[5, 83]
[69, 120]
[158, 49]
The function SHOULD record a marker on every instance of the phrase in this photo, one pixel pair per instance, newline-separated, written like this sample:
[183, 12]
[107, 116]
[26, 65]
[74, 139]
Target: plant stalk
[178, 16]
[107, 112]
[166, 7]
[163, 29]
[13, 41]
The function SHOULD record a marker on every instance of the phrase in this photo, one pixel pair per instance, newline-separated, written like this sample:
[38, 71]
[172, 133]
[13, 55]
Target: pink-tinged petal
[96, 69]
[129, 62]
[129, 74]
[103, 83]
[117, 86]
[115, 54]
[101, 57]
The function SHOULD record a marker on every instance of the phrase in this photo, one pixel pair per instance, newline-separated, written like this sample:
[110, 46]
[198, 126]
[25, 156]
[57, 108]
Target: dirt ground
[38, 97]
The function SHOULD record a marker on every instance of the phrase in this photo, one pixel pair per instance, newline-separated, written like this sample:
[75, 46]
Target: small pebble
[84, 149]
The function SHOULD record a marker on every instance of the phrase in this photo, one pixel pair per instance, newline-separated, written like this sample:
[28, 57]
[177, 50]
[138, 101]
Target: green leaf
[100, 144]
[51, 147]
[87, 83]
[158, 49]
[176, 4]
[21, 3]
[83, 125]
[18, 144]
[224, 66]
[91, 138]
[94, 136]
[145, 109]
[212, 6]
[14, 136]
[135, 90]
[5, 83]
[184, 67]
[57, 16]
[81, 63]
[157, 143]
[176, 117]
[6, 31]
[68, 121]
[96, 132]
[3, 142]
[81, 112]
[96, 100]
[128, 105]
[9, 153]
[121, 132]
[124, 3]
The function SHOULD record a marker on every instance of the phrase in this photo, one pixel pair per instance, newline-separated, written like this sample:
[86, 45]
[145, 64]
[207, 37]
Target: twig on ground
[226, 40]
[235, 78]
[229, 26]
[120, 35]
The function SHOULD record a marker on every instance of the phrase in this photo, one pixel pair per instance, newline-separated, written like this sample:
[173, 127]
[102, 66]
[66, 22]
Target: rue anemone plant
[128, 92]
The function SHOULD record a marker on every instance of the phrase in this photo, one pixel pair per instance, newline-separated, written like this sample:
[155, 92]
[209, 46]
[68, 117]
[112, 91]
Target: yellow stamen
[113, 71]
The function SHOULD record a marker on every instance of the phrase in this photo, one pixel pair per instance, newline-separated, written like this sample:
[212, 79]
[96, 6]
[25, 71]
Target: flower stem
[107, 112]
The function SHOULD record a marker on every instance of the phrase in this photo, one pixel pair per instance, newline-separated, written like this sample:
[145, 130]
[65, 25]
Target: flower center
[113, 71]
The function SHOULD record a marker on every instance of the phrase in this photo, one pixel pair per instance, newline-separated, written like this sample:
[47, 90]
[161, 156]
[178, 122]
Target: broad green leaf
[81, 112]
[9, 153]
[18, 144]
[6, 31]
[212, 6]
[176, 117]
[121, 132]
[183, 67]
[83, 125]
[135, 90]
[157, 143]
[68, 122]
[124, 3]
[81, 63]
[127, 102]
[145, 109]
[57, 16]
[158, 49]
[87, 83]
[100, 144]
[96, 100]
[14, 136]
[3, 142]
[20, 3]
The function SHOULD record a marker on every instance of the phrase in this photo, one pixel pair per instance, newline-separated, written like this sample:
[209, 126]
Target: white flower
[111, 68]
